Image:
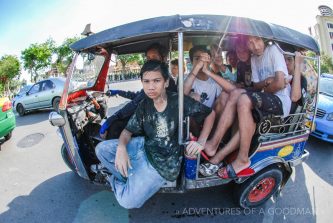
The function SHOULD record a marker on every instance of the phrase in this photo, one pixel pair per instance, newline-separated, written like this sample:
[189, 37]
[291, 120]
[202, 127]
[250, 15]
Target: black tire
[8, 136]
[259, 188]
[55, 104]
[20, 109]
[65, 157]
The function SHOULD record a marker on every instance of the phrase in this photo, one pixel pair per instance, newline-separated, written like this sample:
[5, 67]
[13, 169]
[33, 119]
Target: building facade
[324, 30]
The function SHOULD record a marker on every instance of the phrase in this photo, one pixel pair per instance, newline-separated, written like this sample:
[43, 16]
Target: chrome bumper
[300, 160]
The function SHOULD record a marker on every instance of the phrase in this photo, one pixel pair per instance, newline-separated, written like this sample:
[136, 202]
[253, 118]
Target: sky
[24, 22]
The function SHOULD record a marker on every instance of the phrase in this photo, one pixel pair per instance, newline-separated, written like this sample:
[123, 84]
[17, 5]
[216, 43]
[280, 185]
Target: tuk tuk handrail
[293, 54]
[180, 88]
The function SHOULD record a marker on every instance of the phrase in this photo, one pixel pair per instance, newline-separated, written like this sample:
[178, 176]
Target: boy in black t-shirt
[141, 165]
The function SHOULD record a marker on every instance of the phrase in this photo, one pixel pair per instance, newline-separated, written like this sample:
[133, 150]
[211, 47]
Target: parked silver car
[43, 94]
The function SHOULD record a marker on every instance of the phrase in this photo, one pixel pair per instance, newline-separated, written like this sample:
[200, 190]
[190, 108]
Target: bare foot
[240, 165]
[210, 149]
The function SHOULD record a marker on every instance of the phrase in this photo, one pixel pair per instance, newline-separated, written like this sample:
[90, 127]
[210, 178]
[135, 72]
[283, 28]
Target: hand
[299, 59]
[122, 162]
[197, 68]
[103, 135]
[112, 92]
[193, 149]
[287, 80]
[195, 96]
[240, 85]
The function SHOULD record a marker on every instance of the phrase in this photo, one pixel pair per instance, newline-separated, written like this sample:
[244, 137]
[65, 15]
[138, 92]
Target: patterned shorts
[264, 104]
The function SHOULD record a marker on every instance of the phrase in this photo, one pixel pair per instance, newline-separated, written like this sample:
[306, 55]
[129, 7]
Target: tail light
[6, 106]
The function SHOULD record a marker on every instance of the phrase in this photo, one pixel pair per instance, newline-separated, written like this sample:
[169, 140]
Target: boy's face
[243, 53]
[232, 59]
[256, 45]
[199, 55]
[153, 84]
[174, 70]
[153, 55]
[290, 62]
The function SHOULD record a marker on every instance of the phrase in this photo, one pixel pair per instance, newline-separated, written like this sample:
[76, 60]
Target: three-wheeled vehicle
[278, 144]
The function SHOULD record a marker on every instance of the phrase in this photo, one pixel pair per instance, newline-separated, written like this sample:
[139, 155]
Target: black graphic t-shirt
[244, 74]
[161, 131]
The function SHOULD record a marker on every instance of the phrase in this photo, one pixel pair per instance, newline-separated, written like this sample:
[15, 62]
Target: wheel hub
[262, 189]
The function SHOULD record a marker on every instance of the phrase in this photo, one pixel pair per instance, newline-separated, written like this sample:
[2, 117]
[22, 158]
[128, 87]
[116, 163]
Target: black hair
[155, 65]
[162, 51]
[287, 48]
[174, 62]
[197, 48]
[230, 52]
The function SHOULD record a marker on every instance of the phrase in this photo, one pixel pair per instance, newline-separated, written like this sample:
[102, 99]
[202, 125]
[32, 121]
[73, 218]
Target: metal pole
[180, 87]
[317, 95]
[293, 54]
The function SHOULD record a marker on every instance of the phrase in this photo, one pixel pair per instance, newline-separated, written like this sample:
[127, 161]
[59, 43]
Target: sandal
[228, 172]
[209, 169]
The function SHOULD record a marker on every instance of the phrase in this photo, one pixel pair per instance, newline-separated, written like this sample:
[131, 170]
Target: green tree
[326, 65]
[9, 69]
[129, 58]
[64, 55]
[37, 57]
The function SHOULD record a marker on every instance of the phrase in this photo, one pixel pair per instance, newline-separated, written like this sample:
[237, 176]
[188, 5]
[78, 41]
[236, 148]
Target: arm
[128, 94]
[122, 162]
[271, 84]
[188, 83]
[226, 85]
[296, 84]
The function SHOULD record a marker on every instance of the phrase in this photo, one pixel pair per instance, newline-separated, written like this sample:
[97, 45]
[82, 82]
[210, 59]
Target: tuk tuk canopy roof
[164, 27]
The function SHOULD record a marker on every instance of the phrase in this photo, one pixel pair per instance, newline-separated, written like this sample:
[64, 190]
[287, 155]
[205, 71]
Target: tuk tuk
[278, 144]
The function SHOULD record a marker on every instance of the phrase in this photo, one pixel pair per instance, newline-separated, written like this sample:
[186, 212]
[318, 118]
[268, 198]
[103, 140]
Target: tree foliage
[326, 64]
[64, 55]
[37, 57]
[9, 69]
[129, 58]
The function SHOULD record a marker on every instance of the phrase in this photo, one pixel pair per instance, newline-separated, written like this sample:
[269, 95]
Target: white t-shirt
[265, 66]
[208, 90]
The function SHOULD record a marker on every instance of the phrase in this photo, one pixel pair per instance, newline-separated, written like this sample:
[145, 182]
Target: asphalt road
[36, 186]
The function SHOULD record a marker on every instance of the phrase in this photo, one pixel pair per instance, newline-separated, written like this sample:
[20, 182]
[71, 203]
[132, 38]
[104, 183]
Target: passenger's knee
[105, 146]
[244, 103]
[235, 94]
[99, 149]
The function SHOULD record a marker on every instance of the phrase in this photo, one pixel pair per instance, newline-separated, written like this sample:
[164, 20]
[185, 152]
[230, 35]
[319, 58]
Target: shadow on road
[320, 160]
[65, 198]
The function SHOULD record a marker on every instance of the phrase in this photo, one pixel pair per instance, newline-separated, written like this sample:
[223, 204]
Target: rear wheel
[55, 104]
[66, 158]
[20, 109]
[259, 188]
[8, 136]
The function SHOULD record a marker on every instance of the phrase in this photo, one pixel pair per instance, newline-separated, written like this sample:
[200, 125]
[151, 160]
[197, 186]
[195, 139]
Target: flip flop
[228, 172]
[204, 155]
[209, 169]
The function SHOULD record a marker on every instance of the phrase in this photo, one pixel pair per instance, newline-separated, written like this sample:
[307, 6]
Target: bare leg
[232, 145]
[247, 128]
[224, 123]
[221, 102]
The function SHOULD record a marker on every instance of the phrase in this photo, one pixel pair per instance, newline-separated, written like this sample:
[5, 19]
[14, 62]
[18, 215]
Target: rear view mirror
[91, 56]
